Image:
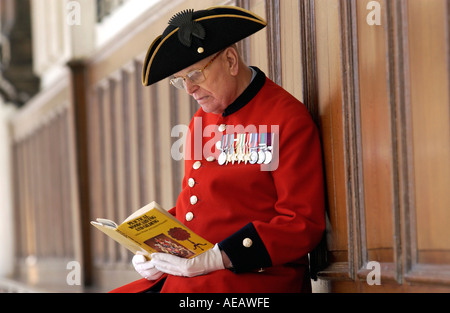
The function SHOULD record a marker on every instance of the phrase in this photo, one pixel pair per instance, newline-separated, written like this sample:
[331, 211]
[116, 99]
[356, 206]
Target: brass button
[189, 216]
[247, 242]
[222, 128]
[191, 182]
[197, 165]
[194, 200]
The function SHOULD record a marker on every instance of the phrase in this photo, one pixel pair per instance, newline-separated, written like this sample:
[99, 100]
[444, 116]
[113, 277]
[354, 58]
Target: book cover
[152, 229]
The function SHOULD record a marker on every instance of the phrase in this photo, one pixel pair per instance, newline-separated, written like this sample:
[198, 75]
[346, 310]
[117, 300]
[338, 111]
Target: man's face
[217, 91]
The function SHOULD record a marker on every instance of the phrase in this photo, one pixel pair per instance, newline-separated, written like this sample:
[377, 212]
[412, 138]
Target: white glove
[145, 268]
[202, 264]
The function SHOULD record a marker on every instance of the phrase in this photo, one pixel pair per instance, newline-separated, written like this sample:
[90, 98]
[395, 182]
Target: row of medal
[253, 148]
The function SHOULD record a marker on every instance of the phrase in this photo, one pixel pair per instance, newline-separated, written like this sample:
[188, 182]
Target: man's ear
[232, 59]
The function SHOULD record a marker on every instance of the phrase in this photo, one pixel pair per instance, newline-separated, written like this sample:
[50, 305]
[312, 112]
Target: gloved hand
[202, 264]
[145, 268]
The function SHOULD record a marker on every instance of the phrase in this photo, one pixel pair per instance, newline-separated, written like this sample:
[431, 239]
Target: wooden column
[79, 93]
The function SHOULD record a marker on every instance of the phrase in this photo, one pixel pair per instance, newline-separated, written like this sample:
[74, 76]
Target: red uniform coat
[266, 221]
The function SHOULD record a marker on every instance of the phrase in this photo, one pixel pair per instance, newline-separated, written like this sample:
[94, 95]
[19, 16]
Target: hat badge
[188, 28]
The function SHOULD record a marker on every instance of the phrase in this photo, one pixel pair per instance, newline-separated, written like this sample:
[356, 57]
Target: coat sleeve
[173, 211]
[299, 219]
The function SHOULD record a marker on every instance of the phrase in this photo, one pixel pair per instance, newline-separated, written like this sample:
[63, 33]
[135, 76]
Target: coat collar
[249, 93]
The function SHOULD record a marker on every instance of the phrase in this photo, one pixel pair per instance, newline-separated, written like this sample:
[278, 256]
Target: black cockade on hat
[188, 27]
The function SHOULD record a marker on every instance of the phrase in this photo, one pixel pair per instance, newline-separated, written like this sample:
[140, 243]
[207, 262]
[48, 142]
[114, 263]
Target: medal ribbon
[263, 139]
[269, 139]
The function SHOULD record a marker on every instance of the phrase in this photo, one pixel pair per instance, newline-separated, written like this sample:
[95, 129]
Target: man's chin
[210, 108]
[205, 108]
[211, 111]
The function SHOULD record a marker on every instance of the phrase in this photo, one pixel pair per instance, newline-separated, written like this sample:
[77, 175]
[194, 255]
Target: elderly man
[254, 185]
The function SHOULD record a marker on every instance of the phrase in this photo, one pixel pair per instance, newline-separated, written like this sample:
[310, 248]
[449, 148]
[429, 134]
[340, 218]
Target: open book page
[114, 234]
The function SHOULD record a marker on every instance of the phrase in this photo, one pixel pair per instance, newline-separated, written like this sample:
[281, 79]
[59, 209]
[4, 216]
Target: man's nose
[190, 87]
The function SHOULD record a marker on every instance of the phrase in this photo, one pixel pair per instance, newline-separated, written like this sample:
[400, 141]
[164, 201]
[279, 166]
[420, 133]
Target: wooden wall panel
[291, 69]
[58, 174]
[331, 123]
[259, 57]
[272, 8]
[428, 30]
[46, 185]
[119, 153]
[165, 109]
[95, 173]
[126, 185]
[129, 104]
[395, 118]
[107, 162]
[308, 57]
[148, 167]
[19, 197]
[376, 139]
[31, 232]
[185, 111]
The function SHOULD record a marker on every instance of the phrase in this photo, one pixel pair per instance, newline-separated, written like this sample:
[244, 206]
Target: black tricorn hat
[194, 35]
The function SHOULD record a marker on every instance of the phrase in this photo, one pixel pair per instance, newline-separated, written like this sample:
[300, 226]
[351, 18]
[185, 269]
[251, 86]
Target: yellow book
[152, 229]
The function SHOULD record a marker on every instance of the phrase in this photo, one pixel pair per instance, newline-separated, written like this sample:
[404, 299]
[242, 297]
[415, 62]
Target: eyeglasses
[195, 76]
